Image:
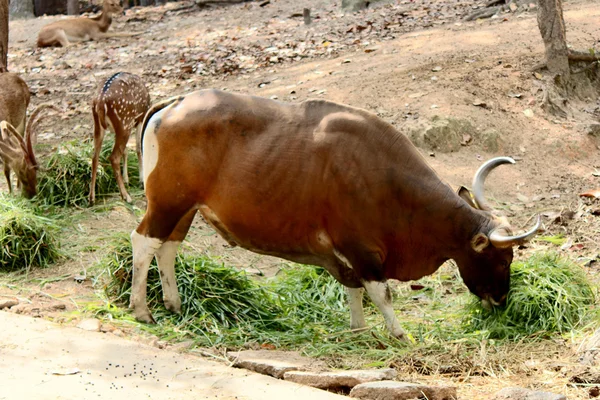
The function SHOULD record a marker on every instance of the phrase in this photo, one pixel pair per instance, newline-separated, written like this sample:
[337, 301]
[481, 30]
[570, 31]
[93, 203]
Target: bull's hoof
[173, 306]
[144, 316]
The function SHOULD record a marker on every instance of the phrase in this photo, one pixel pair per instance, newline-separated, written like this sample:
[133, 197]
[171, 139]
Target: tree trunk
[20, 9]
[552, 27]
[3, 35]
[73, 7]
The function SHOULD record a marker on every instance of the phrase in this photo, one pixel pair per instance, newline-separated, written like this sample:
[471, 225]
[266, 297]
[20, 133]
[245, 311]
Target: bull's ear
[480, 242]
[467, 196]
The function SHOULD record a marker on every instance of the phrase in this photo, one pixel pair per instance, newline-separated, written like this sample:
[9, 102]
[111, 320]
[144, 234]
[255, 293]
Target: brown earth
[432, 64]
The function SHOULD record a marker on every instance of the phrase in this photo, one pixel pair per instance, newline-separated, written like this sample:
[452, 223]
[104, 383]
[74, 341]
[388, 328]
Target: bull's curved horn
[481, 174]
[501, 241]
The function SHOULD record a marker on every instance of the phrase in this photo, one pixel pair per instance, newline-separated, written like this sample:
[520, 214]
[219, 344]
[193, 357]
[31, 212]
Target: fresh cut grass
[66, 174]
[27, 240]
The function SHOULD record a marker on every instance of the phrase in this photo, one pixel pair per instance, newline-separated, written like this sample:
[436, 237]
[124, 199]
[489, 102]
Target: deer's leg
[98, 138]
[58, 37]
[121, 137]
[147, 240]
[165, 257]
[125, 173]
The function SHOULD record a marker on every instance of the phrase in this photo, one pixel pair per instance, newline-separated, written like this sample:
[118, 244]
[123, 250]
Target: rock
[444, 134]
[90, 324]
[392, 390]
[594, 130]
[354, 5]
[107, 328]
[8, 303]
[118, 332]
[58, 306]
[515, 393]
[491, 141]
[339, 379]
[271, 362]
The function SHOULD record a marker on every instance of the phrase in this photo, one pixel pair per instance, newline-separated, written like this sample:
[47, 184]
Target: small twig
[582, 56]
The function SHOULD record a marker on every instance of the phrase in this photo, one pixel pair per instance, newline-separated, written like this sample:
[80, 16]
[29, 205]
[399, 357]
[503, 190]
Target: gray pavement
[37, 358]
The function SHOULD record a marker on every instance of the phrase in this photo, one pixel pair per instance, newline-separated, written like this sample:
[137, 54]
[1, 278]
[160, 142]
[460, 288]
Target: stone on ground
[339, 379]
[272, 362]
[392, 390]
[515, 393]
[90, 324]
[8, 303]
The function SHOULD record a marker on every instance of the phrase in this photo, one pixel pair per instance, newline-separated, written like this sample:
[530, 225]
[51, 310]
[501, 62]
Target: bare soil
[408, 62]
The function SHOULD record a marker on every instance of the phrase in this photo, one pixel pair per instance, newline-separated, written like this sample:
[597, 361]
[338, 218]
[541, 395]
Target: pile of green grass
[27, 240]
[548, 294]
[214, 298]
[66, 174]
[221, 305]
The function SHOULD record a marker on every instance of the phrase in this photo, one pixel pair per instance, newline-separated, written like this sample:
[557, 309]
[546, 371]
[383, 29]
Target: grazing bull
[316, 183]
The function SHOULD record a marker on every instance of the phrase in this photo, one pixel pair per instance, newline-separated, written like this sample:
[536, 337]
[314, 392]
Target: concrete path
[34, 351]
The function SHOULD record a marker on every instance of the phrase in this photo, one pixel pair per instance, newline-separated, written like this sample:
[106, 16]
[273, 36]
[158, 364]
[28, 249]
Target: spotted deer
[316, 183]
[17, 137]
[62, 33]
[121, 102]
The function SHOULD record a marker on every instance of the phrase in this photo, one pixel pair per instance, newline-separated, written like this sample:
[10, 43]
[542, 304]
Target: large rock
[445, 135]
[273, 363]
[8, 303]
[392, 390]
[515, 393]
[339, 379]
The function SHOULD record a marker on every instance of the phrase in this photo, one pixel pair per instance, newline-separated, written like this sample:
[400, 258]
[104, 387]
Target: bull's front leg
[144, 248]
[357, 315]
[381, 295]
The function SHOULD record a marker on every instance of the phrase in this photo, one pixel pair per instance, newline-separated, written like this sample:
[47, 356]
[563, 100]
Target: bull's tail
[151, 111]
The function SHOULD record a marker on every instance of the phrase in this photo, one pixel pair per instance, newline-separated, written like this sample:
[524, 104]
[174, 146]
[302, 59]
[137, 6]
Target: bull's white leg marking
[357, 315]
[150, 147]
[165, 256]
[144, 249]
[382, 297]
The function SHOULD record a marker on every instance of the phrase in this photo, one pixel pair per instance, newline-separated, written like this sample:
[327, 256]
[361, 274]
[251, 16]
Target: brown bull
[316, 183]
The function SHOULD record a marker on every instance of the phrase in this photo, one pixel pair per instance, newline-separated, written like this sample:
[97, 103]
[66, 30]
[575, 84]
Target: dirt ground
[408, 62]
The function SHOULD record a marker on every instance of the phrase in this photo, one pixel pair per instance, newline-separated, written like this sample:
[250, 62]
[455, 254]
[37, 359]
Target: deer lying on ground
[316, 183]
[62, 33]
[121, 102]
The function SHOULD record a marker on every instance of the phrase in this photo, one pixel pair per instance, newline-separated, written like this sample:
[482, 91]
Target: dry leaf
[591, 193]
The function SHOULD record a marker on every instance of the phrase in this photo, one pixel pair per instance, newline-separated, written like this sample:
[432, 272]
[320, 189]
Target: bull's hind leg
[165, 257]
[148, 240]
